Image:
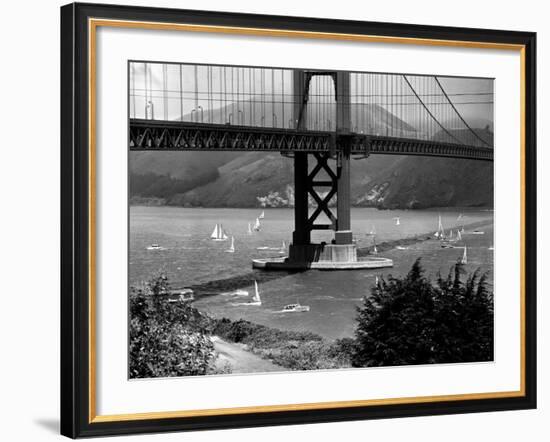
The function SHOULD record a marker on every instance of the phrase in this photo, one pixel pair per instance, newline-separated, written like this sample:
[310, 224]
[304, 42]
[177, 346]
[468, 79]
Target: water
[190, 257]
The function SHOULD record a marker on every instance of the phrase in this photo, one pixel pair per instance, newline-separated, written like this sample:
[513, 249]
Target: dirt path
[241, 361]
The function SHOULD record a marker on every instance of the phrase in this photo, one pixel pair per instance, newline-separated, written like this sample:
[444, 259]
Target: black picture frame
[75, 220]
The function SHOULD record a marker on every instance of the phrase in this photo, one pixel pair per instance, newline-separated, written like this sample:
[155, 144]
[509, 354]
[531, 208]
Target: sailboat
[464, 259]
[372, 230]
[257, 225]
[440, 231]
[397, 221]
[377, 281]
[374, 250]
[458, 235]
[256, 300]
[283, 247]
[262, 215]
[218, 234]
[231, 249]
[249, 229]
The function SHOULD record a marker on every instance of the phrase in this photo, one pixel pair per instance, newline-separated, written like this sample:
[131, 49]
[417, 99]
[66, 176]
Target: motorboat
[295, 308]
[181, 295]
[238, 292]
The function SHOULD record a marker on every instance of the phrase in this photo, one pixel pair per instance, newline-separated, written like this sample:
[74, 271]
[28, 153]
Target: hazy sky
[165, 84]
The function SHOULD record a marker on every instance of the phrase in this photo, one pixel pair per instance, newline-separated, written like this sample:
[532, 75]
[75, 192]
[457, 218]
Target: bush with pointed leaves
[412, 321]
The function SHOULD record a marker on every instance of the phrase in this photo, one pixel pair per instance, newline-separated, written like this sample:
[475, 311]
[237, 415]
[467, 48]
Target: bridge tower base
[341, 253]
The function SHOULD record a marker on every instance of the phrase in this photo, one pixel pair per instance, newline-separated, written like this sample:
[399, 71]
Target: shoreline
[155, 203]
[213, 288]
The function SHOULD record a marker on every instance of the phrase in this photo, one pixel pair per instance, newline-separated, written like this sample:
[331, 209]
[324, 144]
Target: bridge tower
[342, 252]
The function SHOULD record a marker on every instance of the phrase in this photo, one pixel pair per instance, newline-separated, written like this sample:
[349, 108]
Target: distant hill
[420, 182]
[252, 179]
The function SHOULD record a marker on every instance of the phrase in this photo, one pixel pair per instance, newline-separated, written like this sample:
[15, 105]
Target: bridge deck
[158, 135]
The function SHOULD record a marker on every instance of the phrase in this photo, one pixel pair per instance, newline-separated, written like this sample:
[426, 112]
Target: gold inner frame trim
[93, 24]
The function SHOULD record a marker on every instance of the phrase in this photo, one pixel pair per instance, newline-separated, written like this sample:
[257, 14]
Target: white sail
[215, 233]
[249, 229]
[440, 230]
[256, 297]
[465, 256]
[221, 233]
[397, 220]
[376, 282]
[372, 230]
[375, 251]
[218, 234]
[459, 235]
[262, 215]
[232, 247]
[257, 224]
[283, 247]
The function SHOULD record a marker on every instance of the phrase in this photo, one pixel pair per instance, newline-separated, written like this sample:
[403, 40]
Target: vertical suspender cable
[181, 92]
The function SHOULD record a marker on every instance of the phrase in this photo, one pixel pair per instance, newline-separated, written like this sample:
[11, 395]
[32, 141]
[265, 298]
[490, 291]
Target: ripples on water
[190, 257]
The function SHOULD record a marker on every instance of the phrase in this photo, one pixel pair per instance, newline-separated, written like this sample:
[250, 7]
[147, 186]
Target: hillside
[252, 179]
[421, 182]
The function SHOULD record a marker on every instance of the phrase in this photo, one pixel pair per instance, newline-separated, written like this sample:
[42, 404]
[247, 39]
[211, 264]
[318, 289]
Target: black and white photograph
[291, 219]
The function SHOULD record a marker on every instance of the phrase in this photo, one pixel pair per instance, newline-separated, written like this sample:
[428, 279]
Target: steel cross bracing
[176, 135]
[322, 201]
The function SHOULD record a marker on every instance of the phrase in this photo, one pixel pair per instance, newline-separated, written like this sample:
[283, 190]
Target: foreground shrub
[166, 339]
[412, 321]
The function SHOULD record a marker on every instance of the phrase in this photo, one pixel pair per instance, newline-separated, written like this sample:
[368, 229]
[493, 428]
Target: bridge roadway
[157, 135]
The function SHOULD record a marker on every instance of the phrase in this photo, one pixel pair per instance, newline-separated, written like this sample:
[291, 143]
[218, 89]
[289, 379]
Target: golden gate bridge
[308, 115]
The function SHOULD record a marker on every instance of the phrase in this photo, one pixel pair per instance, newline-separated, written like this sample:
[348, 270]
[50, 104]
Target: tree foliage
[166, 339]
[412, 321]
